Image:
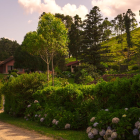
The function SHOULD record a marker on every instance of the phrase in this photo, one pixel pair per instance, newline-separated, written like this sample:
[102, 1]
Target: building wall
[10, 63]
[4, 68]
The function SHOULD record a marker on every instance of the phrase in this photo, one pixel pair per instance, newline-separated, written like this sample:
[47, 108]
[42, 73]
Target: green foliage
[25, 60]
[10, 71]
[121, 89]
[91, 50]
[53, 29]
[135, 67]
[90, 71]
[75, 36]
[115, 67]
[73, 104]
[18, 91]
[7, 48]
[68, 105]
[1, 102]
[125, 125]
[63, 81]
[70, 59]
[59, 61]
[85, 78]
[14, 74]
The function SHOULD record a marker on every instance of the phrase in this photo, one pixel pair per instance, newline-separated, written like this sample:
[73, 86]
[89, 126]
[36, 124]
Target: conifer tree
[130, 24]
[92, 52]
[75, 37]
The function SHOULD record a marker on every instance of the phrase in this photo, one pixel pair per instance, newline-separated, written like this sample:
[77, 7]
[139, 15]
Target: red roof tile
[1, 62]
[6, 60]
[71, 63]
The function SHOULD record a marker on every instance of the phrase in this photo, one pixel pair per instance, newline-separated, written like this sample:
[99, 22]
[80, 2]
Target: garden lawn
[57, 134]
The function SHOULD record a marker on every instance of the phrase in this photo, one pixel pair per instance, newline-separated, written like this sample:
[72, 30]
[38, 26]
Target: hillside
[120, 56]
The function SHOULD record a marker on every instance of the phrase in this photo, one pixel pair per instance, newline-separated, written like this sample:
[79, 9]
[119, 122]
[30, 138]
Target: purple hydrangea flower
[95, 124]
[135, 132]
[42, 119]
[90, 135]
[29, 106]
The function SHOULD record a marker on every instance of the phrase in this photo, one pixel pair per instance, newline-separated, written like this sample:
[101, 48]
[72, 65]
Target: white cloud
[29, 21]
[31, 6]
[111, 8]
[9, 38]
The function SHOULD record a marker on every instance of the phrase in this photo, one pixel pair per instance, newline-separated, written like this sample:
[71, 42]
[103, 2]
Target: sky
[18, 17]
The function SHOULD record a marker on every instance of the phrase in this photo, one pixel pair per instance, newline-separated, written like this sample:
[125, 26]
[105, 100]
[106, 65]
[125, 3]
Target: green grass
[116, 48]
[50, 132]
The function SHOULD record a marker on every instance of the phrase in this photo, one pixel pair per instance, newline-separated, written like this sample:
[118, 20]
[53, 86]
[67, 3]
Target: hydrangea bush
[125, 124]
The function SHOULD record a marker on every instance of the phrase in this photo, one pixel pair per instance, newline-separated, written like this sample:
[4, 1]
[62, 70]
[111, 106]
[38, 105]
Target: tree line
[85, 38]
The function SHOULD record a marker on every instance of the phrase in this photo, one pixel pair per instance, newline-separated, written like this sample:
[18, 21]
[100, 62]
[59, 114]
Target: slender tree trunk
[47, 71]
[128, 54]
[52, 72]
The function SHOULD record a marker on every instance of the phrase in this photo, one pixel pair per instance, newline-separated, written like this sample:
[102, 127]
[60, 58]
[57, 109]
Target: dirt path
[11, 132]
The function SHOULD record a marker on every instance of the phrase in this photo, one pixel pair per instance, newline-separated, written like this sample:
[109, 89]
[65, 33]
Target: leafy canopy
[54, 33]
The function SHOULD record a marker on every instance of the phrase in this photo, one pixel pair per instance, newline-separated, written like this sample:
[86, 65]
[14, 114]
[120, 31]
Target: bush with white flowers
[54, 121]
[67, 126]
[36, 101]
[109, 133]
[29, 106]
[90, 135]
[42, 119]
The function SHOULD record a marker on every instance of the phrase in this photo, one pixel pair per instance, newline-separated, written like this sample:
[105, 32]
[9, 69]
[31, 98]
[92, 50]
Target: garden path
[11, 132]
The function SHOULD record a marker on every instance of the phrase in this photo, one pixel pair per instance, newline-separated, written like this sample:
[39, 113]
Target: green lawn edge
[50, 132]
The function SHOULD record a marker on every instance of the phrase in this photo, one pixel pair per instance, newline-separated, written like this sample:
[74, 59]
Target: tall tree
[106, 25]
[75, 37]
[130, 23]
[24, 60]
[7, 48]
[91, 47]
[50, 38]
[119, 19]
[68, 21]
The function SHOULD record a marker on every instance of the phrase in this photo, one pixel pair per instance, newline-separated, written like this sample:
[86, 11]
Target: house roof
[1, 62]
[6, 60]
[71, 63]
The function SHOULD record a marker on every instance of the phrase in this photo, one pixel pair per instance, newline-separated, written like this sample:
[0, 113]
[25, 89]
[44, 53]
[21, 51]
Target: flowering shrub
[76, 104]
[28, 106]
[36, 101]
[42, 119]
[121, 126]
[67, 126]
